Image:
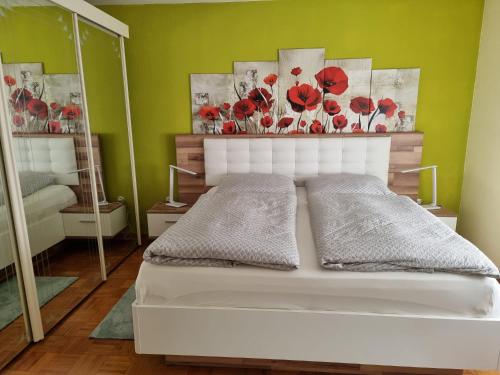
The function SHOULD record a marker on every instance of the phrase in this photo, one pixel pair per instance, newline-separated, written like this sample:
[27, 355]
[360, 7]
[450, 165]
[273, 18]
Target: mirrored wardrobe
[67, 154]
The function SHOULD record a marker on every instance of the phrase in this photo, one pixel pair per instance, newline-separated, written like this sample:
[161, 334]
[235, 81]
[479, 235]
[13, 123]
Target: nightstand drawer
[450, 221]
[159, 223]
[83, 224]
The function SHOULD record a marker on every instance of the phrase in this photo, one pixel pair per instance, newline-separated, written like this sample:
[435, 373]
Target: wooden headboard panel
[406, 153]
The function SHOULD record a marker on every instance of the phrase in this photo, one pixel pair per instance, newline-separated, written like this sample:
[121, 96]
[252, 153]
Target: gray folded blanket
[383, 231]
[229, 227]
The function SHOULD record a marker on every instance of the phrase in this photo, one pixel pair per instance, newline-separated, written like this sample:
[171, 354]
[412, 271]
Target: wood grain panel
[313, 367]
[406, 153]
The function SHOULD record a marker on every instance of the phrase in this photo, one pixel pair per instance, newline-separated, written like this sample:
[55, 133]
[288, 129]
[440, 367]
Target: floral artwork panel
[212, 100]
[25, 87]
[350, 79]
[395, 95]
[258, 82]
[63, 94]
[300, 93]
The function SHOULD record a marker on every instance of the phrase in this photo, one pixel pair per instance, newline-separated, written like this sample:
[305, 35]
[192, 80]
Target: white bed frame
[52, 155]
[303, 335]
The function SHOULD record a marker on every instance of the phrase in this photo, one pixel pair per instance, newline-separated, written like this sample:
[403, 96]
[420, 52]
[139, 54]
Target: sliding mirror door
[102, 67]
[14, 331]
[46, 119]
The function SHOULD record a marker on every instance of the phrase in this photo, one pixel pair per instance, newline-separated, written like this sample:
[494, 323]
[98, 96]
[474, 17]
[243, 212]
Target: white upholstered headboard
[47, 154]
[296, 157]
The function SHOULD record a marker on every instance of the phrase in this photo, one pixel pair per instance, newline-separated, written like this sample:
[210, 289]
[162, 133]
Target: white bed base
[319, 336]
[301, 335]
[43, 234]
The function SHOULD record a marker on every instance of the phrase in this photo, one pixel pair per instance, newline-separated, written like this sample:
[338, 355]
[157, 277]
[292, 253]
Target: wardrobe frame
[80, 11]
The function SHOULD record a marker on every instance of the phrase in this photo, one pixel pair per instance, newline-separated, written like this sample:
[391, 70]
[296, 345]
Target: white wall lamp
[170, 198]
[433, 205]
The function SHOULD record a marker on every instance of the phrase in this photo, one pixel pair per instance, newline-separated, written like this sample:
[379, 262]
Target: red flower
[303, 123]
[55, 106]
[229, 127]
[271, 79]
[387, 107]
[401, 115]
[300, 131]
[71, 112]
[296, 71]
[285, 122]
[380, 128]
[9, 80]
[303, 97]
[244, 108]
[339, 122]
[266, 121]
[331, 107]
[38, 108]
[362, 105]
[332, 80]
[226, 106]
[55, 126]
[316, 127]
[355, 125]
[18, 120]
[261, 98]
[208, 112]
[20, 98]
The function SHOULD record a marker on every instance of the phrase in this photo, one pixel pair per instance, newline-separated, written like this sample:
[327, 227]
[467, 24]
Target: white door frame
[19, 217]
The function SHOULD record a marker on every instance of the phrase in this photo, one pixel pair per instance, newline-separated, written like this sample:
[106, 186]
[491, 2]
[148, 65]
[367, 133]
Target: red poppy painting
[395, 94]
[304, 93]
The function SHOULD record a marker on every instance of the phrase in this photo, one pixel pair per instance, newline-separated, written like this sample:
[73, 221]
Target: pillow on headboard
[347, 183]
[257, 183]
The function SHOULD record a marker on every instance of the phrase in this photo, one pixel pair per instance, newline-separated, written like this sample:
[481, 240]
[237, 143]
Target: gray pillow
[31, 181]
[347, 183]
[257, 183]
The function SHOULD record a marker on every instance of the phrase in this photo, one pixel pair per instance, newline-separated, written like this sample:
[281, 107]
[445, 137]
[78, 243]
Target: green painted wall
[168, 42]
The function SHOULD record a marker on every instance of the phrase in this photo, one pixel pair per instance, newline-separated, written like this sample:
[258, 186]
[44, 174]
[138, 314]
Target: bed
[312, 314]
[51, 155]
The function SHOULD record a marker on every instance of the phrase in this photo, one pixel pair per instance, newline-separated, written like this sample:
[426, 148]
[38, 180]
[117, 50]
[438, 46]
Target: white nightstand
[447, 216]
[79, 220]
[161, 216]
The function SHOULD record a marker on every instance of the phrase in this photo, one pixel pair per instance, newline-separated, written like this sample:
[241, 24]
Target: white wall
[479, 219]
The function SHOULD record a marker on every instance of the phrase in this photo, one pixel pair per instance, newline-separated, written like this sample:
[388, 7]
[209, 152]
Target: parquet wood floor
[74, 258]
[68, 350]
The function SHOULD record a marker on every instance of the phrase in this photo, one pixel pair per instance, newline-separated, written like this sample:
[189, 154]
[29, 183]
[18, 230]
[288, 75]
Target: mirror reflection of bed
[55, 184]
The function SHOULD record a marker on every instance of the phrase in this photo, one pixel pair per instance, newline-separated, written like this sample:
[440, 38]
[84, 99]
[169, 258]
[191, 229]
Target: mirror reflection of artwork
[340, 115]
[63, 95]
[300, 96]
[212, 99]
[257, 82]
[25, 90]
[394, 95]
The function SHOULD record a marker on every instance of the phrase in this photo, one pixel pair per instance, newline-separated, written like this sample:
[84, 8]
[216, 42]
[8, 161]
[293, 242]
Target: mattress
[313, 288]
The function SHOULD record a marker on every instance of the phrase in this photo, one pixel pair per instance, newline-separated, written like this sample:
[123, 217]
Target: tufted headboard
[47, 154]
[405, 153]
[296, 157]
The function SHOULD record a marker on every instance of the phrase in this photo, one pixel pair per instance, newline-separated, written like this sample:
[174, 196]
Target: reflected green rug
[47, 288]
[118, 323]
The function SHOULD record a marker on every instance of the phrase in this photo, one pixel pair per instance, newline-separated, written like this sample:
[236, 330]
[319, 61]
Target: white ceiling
[122, 2]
